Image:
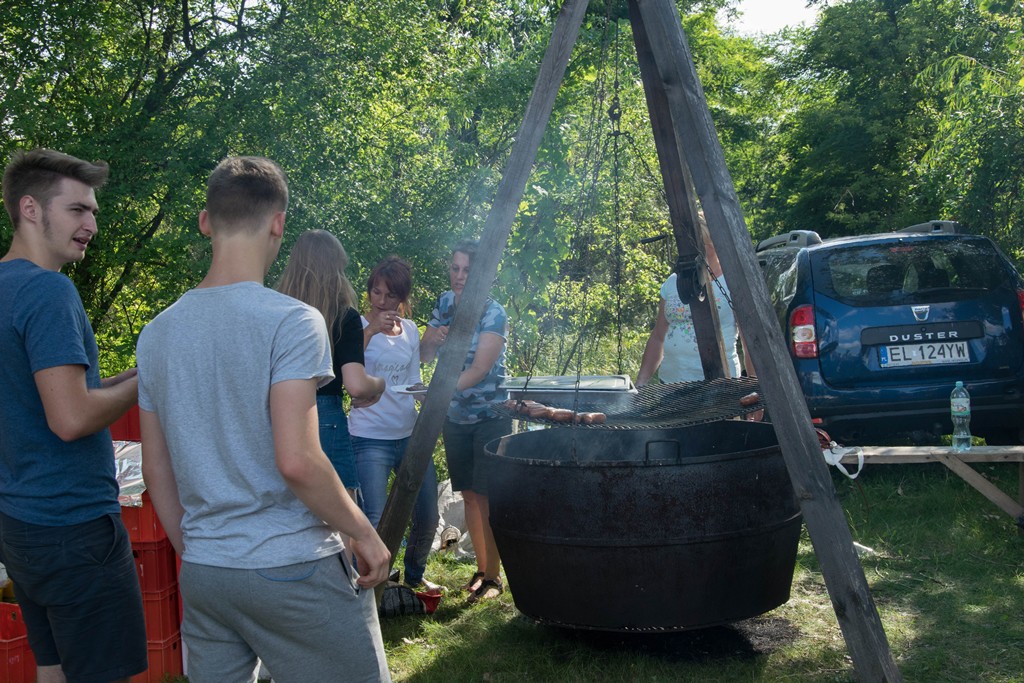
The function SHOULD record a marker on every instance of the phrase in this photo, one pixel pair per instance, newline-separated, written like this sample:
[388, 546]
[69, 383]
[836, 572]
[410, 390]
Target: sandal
[472, 582]
[488, 590]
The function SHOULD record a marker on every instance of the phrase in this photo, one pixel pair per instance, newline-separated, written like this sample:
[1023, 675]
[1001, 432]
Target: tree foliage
[897, 112]
[394, 120]
[973, 165]
[351, 98]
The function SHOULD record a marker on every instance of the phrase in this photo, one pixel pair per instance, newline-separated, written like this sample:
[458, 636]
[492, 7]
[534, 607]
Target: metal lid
[568, 383]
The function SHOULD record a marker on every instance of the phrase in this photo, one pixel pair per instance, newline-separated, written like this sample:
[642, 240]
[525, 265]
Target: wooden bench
[958, 463]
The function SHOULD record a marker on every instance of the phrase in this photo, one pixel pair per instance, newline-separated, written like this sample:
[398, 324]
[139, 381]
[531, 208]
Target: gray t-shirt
[206, 365]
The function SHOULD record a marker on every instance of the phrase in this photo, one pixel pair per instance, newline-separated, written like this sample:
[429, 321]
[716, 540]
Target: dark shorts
[79, 596]
[464, 448]
[335, 440]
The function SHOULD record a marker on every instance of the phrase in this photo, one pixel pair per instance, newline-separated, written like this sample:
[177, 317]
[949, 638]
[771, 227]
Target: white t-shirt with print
[397, 360]
[682, 359]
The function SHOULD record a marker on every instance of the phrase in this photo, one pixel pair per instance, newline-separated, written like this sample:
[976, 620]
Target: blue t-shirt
[474, 404]
[44, 480]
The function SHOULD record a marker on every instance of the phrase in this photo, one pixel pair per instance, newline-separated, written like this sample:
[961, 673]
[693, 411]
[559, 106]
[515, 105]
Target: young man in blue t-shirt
[61, 536]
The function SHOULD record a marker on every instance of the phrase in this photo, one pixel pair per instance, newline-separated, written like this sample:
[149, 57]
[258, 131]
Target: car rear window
[908, 271]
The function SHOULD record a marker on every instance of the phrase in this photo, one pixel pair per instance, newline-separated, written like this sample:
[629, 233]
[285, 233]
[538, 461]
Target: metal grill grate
[665, 406]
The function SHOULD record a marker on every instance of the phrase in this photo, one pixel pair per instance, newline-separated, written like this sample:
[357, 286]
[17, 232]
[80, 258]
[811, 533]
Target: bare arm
[431, 341]
[364, 389]
[73, 410]
[119, 377]
[310, 476]
[748, 362]
[654, 351]
[487, 351]
[159, 477]
[748, 365]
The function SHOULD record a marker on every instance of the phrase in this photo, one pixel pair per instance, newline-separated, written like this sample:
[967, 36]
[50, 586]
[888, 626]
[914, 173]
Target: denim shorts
[335, 441]
[79, 596]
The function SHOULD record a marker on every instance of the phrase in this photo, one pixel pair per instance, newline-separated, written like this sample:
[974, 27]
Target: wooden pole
[830, 534]
[496, 230]
[682, 204]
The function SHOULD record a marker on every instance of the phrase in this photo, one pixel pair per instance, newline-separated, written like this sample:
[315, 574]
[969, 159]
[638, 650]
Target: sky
[768, 16]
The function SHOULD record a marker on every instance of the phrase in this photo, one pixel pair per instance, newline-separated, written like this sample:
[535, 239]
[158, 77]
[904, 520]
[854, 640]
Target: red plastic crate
[126, 427]
[181, 602]
[164, 659]
[142, 523]
[17, 663]
[162, 620]
[11, 624]
[156, 564]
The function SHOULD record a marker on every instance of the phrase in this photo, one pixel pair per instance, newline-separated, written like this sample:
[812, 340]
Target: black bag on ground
[398, 601]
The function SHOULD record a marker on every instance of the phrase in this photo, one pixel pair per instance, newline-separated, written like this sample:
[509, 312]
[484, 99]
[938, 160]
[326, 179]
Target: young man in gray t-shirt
[227, 390]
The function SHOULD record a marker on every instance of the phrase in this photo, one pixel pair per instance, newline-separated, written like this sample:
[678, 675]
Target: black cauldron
[646, 529]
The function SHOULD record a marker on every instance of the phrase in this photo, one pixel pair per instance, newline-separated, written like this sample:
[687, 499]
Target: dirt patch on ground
[748, 638]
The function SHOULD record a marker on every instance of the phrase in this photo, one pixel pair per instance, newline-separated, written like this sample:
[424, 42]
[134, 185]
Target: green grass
[947, 576]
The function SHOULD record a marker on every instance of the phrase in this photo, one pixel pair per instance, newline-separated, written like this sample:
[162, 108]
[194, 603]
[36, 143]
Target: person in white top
[381, 432]
[671, 349]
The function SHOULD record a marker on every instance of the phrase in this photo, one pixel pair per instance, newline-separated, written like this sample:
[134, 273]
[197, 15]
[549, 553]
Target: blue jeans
[335, 440]
[375, 459]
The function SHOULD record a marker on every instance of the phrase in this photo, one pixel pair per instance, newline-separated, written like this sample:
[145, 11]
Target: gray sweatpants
[308, 622]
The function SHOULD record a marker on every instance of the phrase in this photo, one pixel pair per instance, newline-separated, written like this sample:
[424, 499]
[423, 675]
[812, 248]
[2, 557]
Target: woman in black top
[315, 274]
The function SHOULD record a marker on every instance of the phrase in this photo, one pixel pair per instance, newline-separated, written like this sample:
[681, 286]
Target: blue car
[880, 328]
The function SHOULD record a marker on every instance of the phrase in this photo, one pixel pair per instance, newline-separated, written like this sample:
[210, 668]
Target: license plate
[940, 353]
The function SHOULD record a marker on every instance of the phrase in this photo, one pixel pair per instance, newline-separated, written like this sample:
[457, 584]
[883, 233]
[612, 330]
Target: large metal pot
[657, 529]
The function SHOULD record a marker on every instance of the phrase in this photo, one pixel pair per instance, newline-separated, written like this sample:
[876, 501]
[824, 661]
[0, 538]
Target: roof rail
[947, 227]
[793, 238]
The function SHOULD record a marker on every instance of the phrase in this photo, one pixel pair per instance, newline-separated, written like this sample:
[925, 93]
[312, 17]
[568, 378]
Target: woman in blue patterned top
[471, 422]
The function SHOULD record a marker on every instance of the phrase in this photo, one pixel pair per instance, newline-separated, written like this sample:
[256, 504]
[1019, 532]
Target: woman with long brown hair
[315, 274]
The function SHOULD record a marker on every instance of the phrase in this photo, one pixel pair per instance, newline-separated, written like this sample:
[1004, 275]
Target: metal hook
[615, 110]
[691, 280]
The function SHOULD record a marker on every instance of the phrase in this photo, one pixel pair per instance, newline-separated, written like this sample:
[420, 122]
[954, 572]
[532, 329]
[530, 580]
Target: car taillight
[801, 332]
[1020, 300]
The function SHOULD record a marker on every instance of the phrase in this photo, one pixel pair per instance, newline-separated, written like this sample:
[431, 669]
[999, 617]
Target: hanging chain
[584, 214]
[615, 114]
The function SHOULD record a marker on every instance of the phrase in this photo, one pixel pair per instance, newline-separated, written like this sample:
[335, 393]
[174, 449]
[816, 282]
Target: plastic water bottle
[960, 411]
